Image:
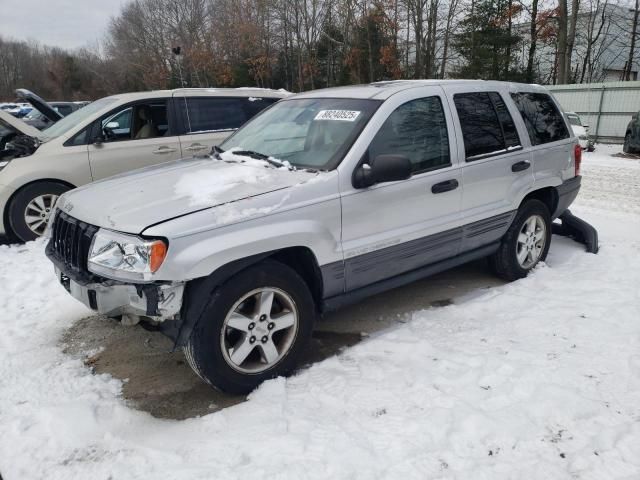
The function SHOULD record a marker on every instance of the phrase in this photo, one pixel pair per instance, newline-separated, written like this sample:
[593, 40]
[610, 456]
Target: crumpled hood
[136, 200]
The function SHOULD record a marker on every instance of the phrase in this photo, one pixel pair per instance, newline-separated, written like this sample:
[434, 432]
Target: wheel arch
[547, 195]
[5, 214]
[301, 259]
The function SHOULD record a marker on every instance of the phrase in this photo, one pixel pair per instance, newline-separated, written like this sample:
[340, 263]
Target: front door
[133, 136]
[392, 228]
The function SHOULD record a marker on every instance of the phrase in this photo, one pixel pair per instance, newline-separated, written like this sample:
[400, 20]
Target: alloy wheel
[38, 212]
[531, 241]
[259, 330]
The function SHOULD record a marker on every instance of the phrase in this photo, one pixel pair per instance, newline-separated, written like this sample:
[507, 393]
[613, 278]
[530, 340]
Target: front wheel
[526, 242]
[254, 327]
[31, 208]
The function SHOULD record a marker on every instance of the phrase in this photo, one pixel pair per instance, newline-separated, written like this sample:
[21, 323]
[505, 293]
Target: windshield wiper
[216, 151]
[261, 156]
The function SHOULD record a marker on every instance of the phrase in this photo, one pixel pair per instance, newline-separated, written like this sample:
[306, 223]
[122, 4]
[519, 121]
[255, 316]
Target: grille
[70, 242]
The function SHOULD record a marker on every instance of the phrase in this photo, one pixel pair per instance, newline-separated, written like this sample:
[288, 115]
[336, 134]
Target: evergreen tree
[487, 41]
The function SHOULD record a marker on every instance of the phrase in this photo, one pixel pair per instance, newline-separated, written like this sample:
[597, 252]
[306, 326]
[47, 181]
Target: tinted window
[63, 110]
[543, 120]
[255, 105]
[487, 126]
[207, 114]
[511, 138]
[417, 130]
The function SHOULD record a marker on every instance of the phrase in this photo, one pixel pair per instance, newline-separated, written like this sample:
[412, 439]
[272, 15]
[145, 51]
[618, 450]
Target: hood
[13, 123]
[38, 103]
[134, 201]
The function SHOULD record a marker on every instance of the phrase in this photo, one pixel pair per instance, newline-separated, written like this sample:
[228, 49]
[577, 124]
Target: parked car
[322, 200]
[110, 136]
[632, 135]
[37, 119]
[581, 131]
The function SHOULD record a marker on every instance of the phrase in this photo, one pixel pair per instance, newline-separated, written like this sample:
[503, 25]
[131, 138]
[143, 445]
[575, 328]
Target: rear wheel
[254, 327]
[31, 208]
[526, 242]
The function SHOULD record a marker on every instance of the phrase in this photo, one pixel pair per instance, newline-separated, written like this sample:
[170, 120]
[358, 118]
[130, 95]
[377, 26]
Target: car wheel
[30, 209]
[626, 148]
[526, 242]
[254, 327]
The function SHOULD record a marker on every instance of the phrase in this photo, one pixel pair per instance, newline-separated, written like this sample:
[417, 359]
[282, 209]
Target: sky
[63, 23]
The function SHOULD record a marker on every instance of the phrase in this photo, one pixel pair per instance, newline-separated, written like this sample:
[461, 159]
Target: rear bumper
[567, 193]
[159, 302]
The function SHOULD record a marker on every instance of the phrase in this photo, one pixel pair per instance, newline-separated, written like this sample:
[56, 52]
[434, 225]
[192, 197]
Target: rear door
[552, 145]
[208, 120]
[497, 166]
[132, 136]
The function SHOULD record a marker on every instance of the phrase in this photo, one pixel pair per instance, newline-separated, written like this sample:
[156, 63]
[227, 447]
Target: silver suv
[109, 136]
[323, 199]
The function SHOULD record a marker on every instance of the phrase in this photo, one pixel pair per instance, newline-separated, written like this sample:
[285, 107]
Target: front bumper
[159, 302]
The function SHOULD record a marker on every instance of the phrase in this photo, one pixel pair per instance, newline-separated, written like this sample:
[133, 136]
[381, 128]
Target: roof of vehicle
[208, 92]
[385, 89]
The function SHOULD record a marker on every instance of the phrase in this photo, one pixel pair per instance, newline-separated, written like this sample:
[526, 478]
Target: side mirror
[384, 168]
[112, 125]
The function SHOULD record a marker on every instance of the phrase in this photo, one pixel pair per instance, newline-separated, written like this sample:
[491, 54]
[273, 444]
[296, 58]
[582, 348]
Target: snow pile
[539, 379]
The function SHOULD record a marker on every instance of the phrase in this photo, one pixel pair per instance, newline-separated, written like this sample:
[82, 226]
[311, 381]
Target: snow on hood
[133, 201]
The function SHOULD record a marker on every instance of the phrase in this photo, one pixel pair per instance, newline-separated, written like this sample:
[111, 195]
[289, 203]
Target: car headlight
[120, 256]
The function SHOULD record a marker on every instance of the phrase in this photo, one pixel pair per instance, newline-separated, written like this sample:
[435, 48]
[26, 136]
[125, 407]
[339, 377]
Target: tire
[234, 359]
[25, 204]
[505, 262]
[626, 148]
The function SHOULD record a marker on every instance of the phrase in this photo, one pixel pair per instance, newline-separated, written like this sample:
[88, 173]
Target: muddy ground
[162, 383]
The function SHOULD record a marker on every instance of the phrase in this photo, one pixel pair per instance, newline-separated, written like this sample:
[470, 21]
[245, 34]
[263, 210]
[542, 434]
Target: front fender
[296, 218]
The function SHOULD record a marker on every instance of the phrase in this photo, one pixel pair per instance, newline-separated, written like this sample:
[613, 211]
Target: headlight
[3, 164]
[119, 256]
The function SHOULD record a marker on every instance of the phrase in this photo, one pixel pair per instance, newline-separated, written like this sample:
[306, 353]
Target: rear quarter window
[542, 118]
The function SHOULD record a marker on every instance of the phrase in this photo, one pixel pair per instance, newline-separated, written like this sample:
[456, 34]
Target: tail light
[577, 157]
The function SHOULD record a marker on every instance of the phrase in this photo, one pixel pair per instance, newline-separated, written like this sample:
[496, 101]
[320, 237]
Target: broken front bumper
[157, 301]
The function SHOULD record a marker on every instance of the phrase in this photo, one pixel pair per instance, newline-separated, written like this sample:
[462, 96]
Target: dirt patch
[160, 382]
[157, 380]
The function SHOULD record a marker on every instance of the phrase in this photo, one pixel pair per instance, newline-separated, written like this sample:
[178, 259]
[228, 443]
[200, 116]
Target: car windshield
[574, 120]
[74, 119]
[308, 133]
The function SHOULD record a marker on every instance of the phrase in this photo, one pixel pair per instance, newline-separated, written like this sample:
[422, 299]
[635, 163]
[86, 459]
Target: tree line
[307, 44]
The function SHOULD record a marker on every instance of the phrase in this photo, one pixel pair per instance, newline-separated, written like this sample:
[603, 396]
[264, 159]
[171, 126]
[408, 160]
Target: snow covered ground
[538, 379]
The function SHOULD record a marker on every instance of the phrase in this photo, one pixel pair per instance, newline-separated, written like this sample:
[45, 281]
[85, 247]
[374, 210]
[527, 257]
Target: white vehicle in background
[581, 131]
[110, 136]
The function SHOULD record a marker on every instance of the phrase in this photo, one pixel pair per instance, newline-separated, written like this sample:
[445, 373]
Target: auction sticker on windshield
[341, 115]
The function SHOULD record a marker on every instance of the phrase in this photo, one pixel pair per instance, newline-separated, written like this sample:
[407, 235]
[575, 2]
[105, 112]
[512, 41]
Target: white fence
[605, 107]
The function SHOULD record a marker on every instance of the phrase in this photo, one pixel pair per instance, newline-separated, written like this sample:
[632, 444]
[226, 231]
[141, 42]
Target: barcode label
[340, 115]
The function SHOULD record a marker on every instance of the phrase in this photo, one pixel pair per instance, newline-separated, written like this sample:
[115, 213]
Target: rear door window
[212, 113]
[542, 118]
[487, 126]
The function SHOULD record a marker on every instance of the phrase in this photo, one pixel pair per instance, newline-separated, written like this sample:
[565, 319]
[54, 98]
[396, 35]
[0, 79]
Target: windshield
[73, 120]
[310, 133]
[574, 120]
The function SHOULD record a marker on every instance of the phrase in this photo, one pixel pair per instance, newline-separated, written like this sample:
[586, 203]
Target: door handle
[164, 149]
[445, 186]
[520, 166]
[196, 147]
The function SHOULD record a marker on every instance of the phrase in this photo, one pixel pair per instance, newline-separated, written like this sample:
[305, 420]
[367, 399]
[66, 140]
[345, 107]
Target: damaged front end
[69, 247]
